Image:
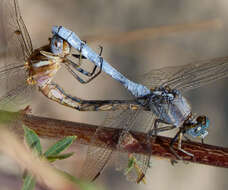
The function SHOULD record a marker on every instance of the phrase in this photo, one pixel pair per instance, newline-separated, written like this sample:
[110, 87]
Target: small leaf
[131, 162]
[59, 146]
[29, 182]
[59, 157]
[32, 140]
[83, 185]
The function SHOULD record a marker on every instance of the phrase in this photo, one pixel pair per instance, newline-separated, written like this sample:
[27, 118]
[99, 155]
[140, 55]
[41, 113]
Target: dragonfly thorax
[42, 66]
[168, 105]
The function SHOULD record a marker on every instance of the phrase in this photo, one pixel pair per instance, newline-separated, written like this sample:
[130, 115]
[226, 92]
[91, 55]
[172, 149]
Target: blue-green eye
[200, 130]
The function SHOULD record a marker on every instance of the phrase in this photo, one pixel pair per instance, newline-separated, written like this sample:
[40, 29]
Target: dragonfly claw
[173, 162]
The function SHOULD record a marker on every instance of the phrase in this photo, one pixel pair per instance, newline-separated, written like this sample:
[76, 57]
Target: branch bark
[108, 137]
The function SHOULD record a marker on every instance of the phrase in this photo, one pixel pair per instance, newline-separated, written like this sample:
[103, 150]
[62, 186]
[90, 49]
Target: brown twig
[108, 137]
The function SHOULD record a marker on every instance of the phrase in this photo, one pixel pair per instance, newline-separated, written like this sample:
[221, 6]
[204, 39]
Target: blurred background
[138, 36]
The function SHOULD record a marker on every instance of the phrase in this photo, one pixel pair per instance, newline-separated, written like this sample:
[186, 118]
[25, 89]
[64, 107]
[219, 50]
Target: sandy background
[98, 19]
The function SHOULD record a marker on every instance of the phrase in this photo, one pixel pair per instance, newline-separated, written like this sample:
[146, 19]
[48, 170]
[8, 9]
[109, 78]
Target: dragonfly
[163, 107]
[24, 69]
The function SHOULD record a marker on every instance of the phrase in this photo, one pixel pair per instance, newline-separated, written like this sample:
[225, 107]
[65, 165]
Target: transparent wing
[15, 47]
[139, 168]
[96, 160]
[16, 95]
[199, 73]
[188, 76]
[7, 70]
[140, 121]
[14, 34]
[156, 77]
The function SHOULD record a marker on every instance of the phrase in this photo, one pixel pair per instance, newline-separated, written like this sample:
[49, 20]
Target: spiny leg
[76, 76]
[186, 138]
[178, 137]
[94, 69]
[180, 144]
[157, 129]
[171, 145]
[202, 141]
[80, 56]
[99, 72]
[86, 73]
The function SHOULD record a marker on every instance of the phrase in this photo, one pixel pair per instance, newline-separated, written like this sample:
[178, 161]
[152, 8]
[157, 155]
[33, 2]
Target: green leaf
[83, 185]
[32, 140]
[59, 157]
[131, 162]
[59, 146]
[29, 182]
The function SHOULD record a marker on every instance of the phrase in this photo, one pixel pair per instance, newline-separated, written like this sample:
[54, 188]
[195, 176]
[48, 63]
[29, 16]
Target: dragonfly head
[59, 46]
[199, 129]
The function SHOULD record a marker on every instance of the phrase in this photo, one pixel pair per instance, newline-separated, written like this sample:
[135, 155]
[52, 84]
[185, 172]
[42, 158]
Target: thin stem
[108, 137]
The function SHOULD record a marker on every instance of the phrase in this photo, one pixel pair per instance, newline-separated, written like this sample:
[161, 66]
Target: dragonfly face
[200, 128]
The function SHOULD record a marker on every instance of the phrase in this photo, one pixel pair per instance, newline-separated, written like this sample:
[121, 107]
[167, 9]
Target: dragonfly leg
[171, 145]
[57, 94]
[99, 72]
[179, 146]
[86, 73]
[178, 137]
[186, 138]
[202, 141]
[75, 75]
[157, 129]
[80, 56]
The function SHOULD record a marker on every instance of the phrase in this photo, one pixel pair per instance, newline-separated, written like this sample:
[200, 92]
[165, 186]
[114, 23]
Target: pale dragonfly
[160, 95]
[24, 69]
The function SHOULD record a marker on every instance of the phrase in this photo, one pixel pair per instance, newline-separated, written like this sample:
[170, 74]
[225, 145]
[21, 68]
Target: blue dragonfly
[159, 92]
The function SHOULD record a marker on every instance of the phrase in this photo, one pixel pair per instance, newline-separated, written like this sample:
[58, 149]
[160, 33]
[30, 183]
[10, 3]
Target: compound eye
[56, 45]
[197, 129]
[201, 119]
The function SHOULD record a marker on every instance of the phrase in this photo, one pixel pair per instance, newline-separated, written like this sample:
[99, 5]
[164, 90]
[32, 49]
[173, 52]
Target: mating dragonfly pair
[158, 97]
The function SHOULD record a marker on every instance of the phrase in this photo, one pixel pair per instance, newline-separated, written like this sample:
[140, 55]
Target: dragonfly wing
[18, 96]
[96, 160]
[188, 76]
[139, 121]
[14, 34]
[15, 47]
[157, 77]
[138, 171]
[199, 73]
